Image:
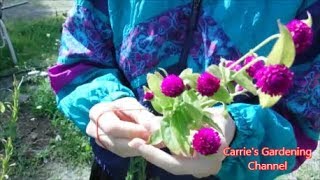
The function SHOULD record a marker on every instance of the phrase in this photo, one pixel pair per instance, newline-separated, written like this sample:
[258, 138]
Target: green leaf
[207, 120]
[283, 51]
[308, 21]
[157, 105]
[231, 87]
[267, 100]
[246, 82]
[179, 125]
[175, 134]
[193, 111]
[154, 82]
[189, 78]
[160, 101]
[222, 95]
[189, 96]
[155, 102]
[225, 72]
[156, 137]
[214, 69]
[186, 72]
[2, 107]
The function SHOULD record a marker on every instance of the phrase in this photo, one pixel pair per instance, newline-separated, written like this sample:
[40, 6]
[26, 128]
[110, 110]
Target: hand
[198, 166]
[115, 123]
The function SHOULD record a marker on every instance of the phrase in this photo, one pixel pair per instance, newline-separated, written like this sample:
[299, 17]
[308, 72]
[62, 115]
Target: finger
[135, 111]
[173, 164]
[201, 175]
[121, 129]
[122, 116]
[155, 156]
[91, 129]
[96, 133]
[98, 109]
[118, 146]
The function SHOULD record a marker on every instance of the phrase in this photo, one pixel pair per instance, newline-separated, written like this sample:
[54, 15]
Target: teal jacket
[108, 47]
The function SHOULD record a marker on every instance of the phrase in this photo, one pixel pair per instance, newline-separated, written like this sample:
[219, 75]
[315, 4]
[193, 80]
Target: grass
[36, 44]
[9, 131]
[69, 144]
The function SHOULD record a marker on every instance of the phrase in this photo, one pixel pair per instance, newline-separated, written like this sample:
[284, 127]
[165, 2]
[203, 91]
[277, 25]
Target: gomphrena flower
[274, 79]
[235, 68]
[206, 141]
[301, 34]
[172, 86]
[148, 96]
[208, 84]
[253, 69]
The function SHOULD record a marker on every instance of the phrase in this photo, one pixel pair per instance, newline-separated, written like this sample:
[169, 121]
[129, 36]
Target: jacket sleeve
[86, 72]
[292, 124]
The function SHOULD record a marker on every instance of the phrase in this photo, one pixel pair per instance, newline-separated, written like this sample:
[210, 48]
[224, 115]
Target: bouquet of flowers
[184, 99]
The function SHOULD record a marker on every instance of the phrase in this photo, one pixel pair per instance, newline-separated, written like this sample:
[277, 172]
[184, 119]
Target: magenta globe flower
[172, 86]
[274, 79]
[148, 96]
[208, 84]
[301, 34]
[253, 69]
[235, 68]
[206, 141]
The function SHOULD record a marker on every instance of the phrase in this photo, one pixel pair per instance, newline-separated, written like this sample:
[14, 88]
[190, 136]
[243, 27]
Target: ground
[48, 146]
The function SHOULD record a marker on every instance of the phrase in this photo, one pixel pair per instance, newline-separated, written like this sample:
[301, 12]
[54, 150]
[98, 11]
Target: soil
[33, 137]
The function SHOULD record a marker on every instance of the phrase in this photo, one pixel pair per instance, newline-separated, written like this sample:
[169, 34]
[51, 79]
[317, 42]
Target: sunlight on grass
[35, 42]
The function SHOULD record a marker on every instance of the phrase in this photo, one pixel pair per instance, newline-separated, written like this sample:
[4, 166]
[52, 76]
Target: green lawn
[35, 42]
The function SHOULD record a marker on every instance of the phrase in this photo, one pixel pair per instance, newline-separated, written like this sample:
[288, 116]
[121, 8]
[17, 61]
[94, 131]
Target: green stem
[238, 93]
[137, 169]
[206, 103]
[275, 36]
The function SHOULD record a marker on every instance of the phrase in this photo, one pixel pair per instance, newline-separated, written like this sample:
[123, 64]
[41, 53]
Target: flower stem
[239, 93]
[275, 36]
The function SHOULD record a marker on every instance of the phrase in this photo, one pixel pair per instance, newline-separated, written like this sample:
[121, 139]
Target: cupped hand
[114, 124]
[198, 165]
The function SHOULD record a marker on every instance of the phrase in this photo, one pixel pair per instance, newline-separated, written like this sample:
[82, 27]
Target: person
[108, 47]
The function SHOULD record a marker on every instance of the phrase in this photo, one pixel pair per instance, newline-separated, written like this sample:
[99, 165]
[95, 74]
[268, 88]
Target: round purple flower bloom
[301, 34]
[148, 96]
[172, 86]
[208, 84]
[206, 141]
[274, 79]
[253, 69]
[235, 68]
